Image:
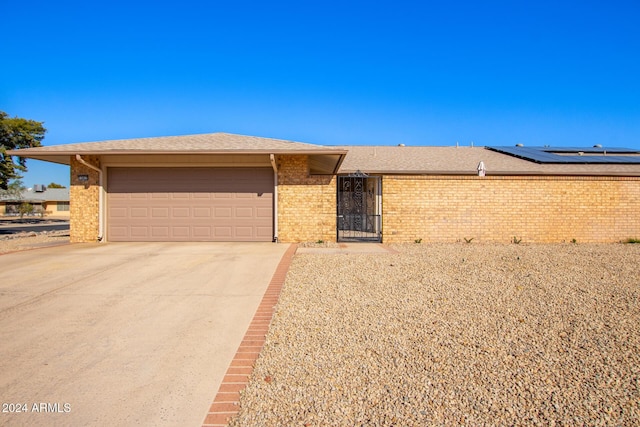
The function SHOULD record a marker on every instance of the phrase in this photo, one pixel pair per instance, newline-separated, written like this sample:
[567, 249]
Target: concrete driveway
[126, 333]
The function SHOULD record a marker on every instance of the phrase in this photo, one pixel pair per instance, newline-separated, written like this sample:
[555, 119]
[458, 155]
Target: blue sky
[558, 72]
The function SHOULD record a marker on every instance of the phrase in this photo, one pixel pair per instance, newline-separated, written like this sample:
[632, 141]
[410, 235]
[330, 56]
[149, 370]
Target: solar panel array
[593, 155]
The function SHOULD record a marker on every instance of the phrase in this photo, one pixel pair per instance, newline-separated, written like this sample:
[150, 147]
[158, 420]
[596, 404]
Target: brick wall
[432, 208]
[534, 209]
[83, 209]
[306, 204]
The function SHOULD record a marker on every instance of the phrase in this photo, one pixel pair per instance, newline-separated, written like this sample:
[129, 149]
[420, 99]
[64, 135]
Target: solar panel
[584, 155]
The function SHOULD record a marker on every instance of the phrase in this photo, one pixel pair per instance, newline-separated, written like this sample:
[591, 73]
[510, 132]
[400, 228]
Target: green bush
[25, 209]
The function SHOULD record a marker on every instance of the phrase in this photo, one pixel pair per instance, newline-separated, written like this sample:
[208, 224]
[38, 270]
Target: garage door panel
[263, 213]
[117, 213]
[244, 212]
[160, 213]
[162, 231]
[204, 196]
[139, 232]
[264, 232]
[201, 232]
[182, 204]
[179, 232]
[244, 232]
[199, 212]
[180, 212]
[139, 212]
[190, 180]
[222, 232]
[119, 232]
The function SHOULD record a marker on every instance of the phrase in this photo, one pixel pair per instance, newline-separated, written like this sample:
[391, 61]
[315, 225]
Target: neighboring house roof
[463, 161]
[32, 196]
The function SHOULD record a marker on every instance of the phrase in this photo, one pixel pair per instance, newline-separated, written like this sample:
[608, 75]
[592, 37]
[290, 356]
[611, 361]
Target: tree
[13, 191]
[54, 185]
[16, 133]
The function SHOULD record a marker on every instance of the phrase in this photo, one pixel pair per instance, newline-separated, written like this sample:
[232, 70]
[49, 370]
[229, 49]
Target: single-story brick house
[45, 201]
[226, 187]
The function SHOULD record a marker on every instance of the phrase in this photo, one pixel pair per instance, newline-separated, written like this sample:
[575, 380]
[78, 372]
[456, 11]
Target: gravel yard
[25, 241]
[457, 334]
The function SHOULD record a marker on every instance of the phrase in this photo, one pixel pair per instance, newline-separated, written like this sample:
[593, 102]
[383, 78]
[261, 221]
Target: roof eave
[407, 172]
[339, 163]
[63, 157]
[28, 153]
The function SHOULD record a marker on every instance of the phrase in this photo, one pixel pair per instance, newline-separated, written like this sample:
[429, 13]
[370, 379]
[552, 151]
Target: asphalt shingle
[462, 161]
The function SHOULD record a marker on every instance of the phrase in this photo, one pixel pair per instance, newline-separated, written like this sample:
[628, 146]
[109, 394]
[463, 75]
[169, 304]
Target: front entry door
[359, 208]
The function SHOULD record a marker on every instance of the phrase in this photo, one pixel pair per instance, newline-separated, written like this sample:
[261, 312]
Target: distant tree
[14, 190]
[16, 133]
[54, 185]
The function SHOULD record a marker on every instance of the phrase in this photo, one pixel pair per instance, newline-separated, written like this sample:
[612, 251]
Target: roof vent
[400, 145]
[519, 145]
[482, 170]
[39, 188]
[597, 146]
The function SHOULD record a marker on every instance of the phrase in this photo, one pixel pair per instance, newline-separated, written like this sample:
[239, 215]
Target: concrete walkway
[349, 248]
[125, 334]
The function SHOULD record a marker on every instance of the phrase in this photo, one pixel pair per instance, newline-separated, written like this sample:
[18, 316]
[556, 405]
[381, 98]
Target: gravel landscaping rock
[31, 240]
[457, 334]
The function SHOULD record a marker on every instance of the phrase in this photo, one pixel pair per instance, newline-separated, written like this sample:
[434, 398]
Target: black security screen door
[358, 212]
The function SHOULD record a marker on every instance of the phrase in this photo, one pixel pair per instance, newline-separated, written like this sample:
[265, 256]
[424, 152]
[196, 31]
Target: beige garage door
[189, 204]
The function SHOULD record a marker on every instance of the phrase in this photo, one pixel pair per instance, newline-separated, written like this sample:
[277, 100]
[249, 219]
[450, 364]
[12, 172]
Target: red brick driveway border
[226, 403]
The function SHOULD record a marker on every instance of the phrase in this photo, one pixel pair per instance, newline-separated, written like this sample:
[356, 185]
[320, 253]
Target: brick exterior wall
[84, 204]
[497, 209]
[431, 208]
[306, 203]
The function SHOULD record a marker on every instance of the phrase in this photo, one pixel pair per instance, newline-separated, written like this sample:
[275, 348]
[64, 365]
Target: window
[63, 206]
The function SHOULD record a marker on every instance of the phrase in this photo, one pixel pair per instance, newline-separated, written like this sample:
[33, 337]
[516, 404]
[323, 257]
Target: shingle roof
[48, 195]
[371, 159]
[185, 144]
[462, 161]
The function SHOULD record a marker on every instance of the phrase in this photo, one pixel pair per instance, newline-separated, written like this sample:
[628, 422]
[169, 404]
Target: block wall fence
[499, 208]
